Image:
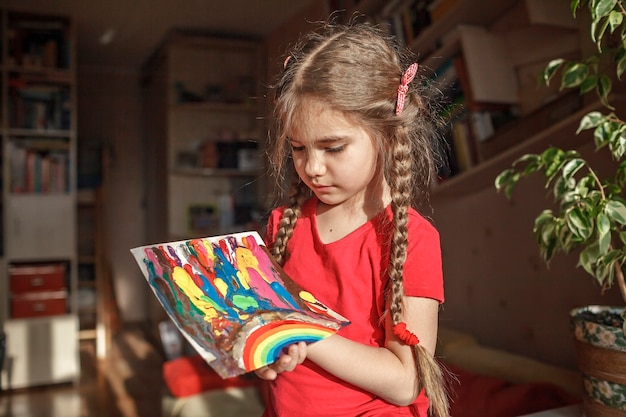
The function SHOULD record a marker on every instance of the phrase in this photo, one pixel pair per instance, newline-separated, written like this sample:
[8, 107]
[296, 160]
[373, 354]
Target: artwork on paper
[231, 300]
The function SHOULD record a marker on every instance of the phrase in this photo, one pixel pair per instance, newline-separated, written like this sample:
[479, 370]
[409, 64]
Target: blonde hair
[356, 69]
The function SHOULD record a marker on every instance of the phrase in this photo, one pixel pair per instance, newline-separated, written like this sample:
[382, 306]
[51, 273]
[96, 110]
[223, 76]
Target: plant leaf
[574, 74]
[620, 174]
[604, 235]
[620, 62]
[588, 84]
[615, 19]
[604, 89]
[604, 7]
[622, 237]
[572, 167]
[503, 178]
[550, 70]
[590, 120]
[616, 210]
[578, 223]
[552, 159]
[587, 257]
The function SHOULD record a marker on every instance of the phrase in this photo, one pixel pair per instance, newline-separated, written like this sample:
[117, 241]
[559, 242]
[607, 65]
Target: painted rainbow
[263, 345]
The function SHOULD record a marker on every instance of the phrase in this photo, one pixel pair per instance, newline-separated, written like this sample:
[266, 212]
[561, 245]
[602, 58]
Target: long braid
[430, 374]
[400, 182]
[298, 194]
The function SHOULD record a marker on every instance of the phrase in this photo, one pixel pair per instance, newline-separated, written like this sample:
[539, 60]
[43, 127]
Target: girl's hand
[287, 362]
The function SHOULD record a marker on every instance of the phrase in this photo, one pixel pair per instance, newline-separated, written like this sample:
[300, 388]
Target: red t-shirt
[348, 276]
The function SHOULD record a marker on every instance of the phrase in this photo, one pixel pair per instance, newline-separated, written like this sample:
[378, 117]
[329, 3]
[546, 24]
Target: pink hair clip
[286, 61]
[403, 88]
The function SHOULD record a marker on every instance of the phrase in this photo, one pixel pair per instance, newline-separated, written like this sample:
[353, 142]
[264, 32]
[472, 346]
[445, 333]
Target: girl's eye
[336, 149]
[297, 148]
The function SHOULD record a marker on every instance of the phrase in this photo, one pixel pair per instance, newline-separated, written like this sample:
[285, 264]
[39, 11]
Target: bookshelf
[38, 274]
[203, 138]
[485, 57]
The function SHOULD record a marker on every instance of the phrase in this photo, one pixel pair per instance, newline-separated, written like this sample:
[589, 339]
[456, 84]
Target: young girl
[361, 139]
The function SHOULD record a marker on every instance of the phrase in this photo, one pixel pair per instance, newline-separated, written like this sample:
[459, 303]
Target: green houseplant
[588, 214]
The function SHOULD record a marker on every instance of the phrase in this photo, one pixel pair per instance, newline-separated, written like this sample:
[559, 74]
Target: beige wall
[109, 109]
[497, 286]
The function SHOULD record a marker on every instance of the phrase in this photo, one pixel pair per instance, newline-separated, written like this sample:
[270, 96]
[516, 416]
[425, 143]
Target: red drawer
[28, 278]
[48, 303]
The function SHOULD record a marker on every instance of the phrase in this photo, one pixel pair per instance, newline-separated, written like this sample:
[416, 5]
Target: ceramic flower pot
[601, 357]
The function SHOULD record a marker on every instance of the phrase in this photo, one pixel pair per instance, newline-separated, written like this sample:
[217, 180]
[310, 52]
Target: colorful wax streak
[232, 302]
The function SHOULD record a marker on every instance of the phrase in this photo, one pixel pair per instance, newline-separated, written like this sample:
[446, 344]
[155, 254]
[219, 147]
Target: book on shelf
[461, 148]
[38, 166]
[464, 143]
[468, 121]
[406, 19]
[38, 106]
[35, 43]
[415, 18]
[232, 302]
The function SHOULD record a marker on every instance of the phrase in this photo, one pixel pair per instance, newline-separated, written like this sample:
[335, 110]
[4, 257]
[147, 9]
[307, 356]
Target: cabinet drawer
[48, 303]
[29, 278]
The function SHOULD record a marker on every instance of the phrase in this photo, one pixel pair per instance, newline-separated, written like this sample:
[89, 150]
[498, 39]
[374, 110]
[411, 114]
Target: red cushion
[478, 395]
[190, 375]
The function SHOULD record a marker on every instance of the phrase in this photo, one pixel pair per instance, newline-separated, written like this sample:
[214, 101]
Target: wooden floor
[126, 384]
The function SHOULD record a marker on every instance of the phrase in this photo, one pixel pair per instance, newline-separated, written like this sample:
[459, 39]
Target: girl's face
[334, 156]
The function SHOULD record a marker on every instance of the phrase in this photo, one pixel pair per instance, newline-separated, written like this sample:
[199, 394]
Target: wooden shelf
[466, 12]
[430, 39]
[43, 133]
[39, 74]
[481, 177]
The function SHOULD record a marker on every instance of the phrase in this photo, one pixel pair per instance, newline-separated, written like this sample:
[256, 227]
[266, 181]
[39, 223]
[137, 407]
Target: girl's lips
[321, 187]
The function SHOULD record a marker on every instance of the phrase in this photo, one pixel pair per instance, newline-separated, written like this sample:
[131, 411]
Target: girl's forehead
[311, 112]
[306, 106]
[318, 122]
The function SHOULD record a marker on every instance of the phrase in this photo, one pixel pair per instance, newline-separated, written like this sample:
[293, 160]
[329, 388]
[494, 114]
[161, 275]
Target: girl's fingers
[287, 362]
[301, 347]
[266, 373]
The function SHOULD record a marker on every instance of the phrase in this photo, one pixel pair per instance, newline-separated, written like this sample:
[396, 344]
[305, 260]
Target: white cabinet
[38, 351]
[40, 227]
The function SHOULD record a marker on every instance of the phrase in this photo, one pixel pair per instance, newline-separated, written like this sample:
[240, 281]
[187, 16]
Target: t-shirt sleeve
[272, 226]
[423, 273]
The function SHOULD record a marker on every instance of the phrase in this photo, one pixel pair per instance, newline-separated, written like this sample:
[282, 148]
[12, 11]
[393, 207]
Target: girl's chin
[326, 199]
[330, 200]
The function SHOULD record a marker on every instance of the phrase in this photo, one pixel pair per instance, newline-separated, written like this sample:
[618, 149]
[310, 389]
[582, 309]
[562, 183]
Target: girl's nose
[314, 165]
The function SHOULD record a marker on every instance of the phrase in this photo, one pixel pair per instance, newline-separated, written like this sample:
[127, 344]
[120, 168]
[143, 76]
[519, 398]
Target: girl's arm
[388, 372]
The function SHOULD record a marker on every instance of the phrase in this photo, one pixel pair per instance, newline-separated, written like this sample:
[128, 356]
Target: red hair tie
[403, 88]
[405, 335]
